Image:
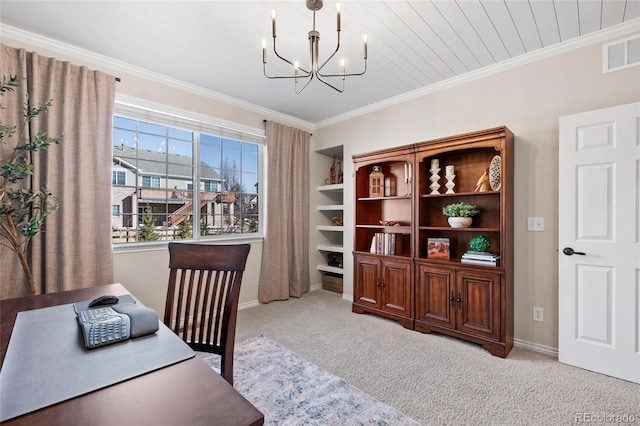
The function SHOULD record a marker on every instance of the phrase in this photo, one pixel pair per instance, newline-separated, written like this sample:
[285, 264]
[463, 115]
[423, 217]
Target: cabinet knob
[451, 298]
[459, 299]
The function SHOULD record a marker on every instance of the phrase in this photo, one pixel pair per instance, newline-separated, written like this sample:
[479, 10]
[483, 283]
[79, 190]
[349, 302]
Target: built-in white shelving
[331, 248]
[331, 206]
[332, 269]
[330, 228]
[333, 187]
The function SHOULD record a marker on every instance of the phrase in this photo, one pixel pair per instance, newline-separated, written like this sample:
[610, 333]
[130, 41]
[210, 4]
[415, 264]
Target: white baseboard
[546, 350]
[347, 297]
[247, 305]
[254, 303]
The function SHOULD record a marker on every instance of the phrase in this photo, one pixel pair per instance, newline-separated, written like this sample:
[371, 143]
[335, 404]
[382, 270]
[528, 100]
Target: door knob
[569, 251]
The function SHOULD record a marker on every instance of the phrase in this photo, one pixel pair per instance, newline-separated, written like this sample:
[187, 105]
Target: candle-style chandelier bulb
[315, 67]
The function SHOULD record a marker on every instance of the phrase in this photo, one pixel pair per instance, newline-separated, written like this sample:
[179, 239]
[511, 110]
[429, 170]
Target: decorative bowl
[389, 222]
[460, 222]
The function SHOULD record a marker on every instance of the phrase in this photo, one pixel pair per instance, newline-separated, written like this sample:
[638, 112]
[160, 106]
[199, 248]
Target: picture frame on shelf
[438, 248]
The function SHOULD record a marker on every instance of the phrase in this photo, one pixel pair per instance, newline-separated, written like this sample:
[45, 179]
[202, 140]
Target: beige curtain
[74, 251]
[285, 256]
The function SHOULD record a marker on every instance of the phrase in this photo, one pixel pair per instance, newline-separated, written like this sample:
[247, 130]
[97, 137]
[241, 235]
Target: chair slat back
[202, 298]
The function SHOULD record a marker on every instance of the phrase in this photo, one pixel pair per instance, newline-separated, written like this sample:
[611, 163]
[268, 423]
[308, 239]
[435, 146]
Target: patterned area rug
[290, 390]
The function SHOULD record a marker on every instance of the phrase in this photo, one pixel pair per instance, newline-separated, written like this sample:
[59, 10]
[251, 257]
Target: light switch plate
[535, 224]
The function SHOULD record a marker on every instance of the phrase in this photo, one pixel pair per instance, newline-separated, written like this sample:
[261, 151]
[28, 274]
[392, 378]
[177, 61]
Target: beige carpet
[437, 380]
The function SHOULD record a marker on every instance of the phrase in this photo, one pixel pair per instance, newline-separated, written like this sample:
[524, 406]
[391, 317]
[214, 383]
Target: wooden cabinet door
[396, 287]
[367, 283]
[478, 302]
[435, 296]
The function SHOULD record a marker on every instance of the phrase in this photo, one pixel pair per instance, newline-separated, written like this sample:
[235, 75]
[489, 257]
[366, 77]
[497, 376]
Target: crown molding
[119, 66]
[547, 52]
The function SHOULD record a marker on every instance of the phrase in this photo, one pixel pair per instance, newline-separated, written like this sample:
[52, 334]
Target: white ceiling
[217, 45]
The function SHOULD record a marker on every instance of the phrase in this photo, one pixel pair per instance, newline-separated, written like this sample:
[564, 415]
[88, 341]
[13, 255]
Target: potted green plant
[460, 214]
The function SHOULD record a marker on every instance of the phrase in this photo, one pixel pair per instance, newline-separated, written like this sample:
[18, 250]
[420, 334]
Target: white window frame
[624, 44]
[210, 185]
[139, 109]
[154, 181]
[114, 177]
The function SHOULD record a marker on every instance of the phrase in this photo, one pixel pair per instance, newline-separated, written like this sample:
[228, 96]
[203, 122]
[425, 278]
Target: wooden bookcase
[383, 283]
[445, 295]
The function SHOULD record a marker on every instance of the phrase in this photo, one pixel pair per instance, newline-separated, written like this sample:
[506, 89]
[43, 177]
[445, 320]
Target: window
[210, 185]
[115, 210]
[118, 178]
[156, 154]
[621, 54]
[150, 182]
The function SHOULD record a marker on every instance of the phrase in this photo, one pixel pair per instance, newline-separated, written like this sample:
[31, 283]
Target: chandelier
[315, 67]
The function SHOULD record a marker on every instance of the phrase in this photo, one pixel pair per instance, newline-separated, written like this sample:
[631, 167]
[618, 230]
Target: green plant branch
[23, 212]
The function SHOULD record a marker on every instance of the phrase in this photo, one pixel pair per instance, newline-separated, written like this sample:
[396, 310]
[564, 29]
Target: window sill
[162, 245]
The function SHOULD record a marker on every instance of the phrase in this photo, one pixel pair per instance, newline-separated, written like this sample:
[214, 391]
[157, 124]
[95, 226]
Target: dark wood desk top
[188, 393]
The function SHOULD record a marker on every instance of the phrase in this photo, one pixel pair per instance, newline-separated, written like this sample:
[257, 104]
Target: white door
[599, 241]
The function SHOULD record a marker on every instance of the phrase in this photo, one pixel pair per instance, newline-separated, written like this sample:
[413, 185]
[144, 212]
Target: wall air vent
[621, 54]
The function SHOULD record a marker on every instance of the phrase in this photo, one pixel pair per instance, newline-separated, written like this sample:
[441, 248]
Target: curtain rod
[265, 125]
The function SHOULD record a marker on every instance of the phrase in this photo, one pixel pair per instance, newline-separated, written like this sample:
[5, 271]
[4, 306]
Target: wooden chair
[202, 299]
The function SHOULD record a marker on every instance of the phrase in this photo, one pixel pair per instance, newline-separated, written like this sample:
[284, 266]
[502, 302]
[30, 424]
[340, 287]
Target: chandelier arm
[331, 85]
[301, 76]
[275, 77]
[332, 55]
[347, 75]
[286, 60]
[303, 87]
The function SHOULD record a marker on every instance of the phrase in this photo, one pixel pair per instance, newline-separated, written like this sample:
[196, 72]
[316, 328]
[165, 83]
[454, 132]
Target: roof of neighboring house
[154, 163]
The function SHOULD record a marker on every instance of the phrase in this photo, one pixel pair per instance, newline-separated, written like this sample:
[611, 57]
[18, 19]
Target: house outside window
[115, 210]
[158, 160]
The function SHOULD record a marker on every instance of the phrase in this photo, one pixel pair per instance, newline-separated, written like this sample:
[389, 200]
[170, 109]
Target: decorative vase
[460, 222]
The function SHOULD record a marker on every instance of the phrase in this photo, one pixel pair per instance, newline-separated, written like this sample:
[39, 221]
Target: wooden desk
[187, 393]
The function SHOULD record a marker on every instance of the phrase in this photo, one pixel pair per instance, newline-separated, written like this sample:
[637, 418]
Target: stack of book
[481, 258]
[386, 243]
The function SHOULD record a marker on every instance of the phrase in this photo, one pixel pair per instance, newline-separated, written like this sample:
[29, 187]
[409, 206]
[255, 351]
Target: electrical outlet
[538, 314]
[535, 224]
